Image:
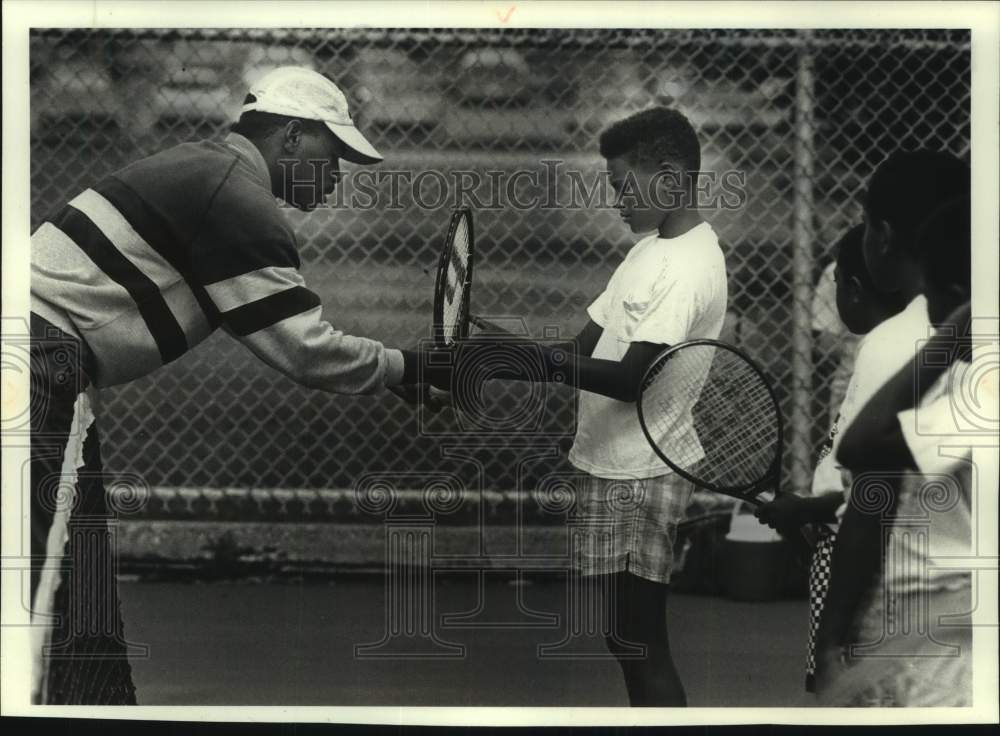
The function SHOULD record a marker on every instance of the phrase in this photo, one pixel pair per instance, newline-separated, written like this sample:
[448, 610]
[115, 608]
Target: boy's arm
[875, 439]
[581, 346]
[615, 379]
[788, 511]
[659, 318]
[586, 340]
[612, 378]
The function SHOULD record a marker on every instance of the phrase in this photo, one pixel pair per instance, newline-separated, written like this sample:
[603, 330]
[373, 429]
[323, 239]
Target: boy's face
[851, 302]
[878, 252]
[633, 198]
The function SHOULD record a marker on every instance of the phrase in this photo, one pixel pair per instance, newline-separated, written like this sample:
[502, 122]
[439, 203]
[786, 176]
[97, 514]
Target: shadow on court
[294, 644]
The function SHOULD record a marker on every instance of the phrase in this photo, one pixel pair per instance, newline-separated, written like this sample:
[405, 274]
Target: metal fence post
[800, 445]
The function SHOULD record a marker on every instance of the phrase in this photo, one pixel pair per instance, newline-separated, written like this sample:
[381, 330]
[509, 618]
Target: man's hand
[439, 399]
[432, 366]
[422, 394]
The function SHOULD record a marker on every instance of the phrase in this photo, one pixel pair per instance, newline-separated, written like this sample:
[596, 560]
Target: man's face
[632, 195]
[311, 166]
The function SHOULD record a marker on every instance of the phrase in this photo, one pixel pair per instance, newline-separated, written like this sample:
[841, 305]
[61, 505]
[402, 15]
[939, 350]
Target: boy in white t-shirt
[671, 287]
[862, 307]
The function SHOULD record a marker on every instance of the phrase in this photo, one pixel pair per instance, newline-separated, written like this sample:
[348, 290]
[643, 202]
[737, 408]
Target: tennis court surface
[293, 643]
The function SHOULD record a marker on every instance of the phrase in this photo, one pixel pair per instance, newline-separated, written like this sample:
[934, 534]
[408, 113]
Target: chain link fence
[806, 115]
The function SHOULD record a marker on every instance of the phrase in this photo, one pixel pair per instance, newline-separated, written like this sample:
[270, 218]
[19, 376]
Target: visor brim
[359, 150]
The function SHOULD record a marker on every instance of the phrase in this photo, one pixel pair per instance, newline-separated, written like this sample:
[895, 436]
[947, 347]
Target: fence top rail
[858, 38]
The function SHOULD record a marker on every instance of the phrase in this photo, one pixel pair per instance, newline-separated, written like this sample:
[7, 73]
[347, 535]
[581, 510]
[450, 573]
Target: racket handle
[485, 324]
[808, 535]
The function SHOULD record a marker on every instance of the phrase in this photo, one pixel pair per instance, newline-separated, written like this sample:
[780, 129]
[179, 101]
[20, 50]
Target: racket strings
[712, 414]
[456, 285]
[740, 450]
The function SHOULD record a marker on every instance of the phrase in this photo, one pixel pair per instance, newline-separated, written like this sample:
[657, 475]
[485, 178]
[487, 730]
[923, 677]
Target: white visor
[298, 92]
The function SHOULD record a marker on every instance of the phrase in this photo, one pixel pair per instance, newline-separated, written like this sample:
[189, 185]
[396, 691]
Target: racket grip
[485, 324]
[808, 535]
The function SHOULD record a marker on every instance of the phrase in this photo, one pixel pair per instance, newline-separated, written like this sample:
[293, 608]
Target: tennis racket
[453, 285]
[452, 292]
[452, 298]
[709, 412]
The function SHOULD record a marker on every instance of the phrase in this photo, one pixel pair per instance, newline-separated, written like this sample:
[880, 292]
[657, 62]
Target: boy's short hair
[256, 125]
[909, 184]
[652, 137]
[851, 262]
[945, 244]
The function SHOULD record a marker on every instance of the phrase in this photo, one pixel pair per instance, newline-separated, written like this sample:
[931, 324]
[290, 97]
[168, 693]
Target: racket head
[453, 282]
[733, 414]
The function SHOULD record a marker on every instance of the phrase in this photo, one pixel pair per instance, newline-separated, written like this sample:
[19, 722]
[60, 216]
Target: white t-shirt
[666, 291]
[881, 355]
[940, 435]
[826, 319]
[830, 476]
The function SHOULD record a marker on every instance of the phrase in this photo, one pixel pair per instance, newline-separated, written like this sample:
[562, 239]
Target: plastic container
[755, 560]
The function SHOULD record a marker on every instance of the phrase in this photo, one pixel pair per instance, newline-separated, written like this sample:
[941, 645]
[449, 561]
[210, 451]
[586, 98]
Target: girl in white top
[918, 430]
[862, 308]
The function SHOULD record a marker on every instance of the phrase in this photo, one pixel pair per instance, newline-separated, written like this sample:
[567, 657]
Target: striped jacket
[149, 262]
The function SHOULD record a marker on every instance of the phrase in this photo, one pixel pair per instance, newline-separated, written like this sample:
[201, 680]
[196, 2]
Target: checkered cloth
[819, 583]
[628, 525]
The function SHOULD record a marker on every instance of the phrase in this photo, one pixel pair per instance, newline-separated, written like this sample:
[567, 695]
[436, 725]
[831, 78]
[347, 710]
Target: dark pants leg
[640, 616]
[77, 629]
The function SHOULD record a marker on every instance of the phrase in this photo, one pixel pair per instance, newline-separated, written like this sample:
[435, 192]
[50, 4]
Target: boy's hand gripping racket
[718, 391]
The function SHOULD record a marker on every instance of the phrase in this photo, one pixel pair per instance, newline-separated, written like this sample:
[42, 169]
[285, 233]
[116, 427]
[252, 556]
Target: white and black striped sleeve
[271, 311]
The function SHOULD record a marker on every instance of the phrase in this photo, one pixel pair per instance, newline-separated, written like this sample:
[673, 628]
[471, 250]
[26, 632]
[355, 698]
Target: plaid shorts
[628, 525]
